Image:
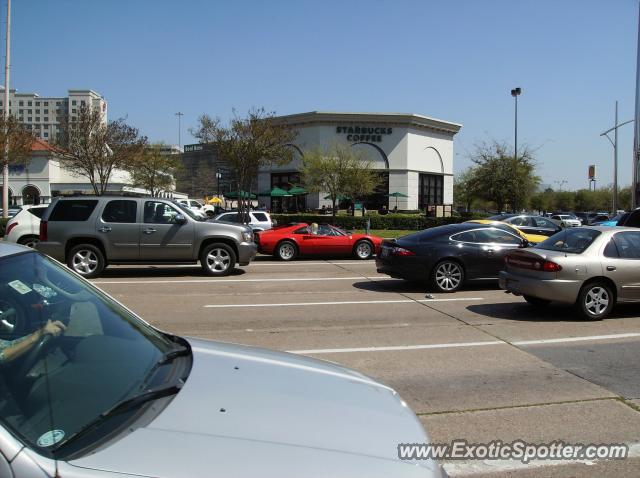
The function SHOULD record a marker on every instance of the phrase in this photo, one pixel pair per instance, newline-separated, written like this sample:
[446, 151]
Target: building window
[29, 111]
[21, 103]
[46, 135]
[37, 103]
[37, 112]
[73, 110]
[82, 103]
[58, 103]
[30, 118]
[37, 119]
[30, 103]
[46, 103]
[431, 190]
[46, 119]
[21, 112]
[73, 102]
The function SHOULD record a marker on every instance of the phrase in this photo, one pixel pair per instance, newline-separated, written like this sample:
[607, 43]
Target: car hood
[246, 411]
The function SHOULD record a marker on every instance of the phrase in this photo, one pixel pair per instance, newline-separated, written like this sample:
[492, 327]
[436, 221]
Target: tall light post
[560, 183]
[5, 159]
[179, 115]
[515, 93]
[635, 183]
[614, 142]
[218, 176]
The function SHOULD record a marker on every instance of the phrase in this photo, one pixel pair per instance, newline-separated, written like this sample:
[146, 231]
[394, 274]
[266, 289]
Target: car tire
[595, 300]
[286, 251]
[86, 260]
[536, 301]
[447, 276]
[29, 241]
[363, 250]
[217, 259]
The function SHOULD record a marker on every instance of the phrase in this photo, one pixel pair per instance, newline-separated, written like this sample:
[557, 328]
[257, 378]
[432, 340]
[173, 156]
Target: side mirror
[180, 219]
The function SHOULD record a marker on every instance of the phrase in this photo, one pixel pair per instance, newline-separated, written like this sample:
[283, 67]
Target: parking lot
[479, 365]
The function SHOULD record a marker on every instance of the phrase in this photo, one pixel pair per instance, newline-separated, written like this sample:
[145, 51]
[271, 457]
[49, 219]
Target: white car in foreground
[24, 227]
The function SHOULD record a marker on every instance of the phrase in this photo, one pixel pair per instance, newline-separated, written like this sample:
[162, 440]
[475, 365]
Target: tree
[154, 170]
[465, 188]
[248, 144]
[93, 149]
[338, 170]
[17, 141]
[503, 179]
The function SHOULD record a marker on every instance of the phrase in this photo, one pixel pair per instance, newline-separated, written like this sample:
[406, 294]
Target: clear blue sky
[456, 60]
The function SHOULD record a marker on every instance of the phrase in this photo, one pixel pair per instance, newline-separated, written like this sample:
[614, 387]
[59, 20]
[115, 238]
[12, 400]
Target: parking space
[478, 364]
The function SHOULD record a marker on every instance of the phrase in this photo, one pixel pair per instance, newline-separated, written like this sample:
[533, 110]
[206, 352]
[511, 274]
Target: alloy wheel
[596, 300]
[448, 276]
[286, 251]
[218, 260]
[363, 250]
[85, 262]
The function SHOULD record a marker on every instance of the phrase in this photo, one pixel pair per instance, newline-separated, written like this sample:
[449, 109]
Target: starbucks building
[412, 153]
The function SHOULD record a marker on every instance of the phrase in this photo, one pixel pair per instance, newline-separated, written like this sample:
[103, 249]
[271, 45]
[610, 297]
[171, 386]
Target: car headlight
[247, 236]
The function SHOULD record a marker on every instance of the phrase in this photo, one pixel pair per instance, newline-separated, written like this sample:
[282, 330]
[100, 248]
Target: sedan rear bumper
[558, 290]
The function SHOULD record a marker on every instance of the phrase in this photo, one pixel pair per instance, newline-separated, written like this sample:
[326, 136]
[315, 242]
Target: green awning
[275, 193]
[298, 191]
[397, 195]
[341, 197]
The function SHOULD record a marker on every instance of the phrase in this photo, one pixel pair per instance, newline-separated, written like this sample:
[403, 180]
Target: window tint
[611, 250]
[156, 212]
[73, 210]
[120, 211]
[634, 219]
[469, 236]
[570, 240]
[37, 211]
[496, 236]
[260, 216]
[628, 244]
[233, 217]
[521, 221]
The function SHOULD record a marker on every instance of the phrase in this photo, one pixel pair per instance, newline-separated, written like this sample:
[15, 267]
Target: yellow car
[531, 238]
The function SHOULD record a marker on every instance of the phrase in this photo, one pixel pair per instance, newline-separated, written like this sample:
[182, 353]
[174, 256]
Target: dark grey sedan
[448, 256]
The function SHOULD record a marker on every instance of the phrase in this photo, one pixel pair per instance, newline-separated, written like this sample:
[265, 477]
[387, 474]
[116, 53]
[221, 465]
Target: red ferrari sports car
[288, 242]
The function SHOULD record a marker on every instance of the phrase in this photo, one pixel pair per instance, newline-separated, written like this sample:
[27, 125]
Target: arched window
[30, 195]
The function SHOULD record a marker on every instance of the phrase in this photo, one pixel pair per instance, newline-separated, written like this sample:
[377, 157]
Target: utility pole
[5, 162]
[635, 186]
[515, 93]
[179, 115]
[614, 143]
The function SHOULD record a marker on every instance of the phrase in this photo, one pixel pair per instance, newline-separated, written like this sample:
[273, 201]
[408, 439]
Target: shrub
[407, 222]
[3, 225]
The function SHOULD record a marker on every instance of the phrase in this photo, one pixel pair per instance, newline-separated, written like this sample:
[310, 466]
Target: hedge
[3, 224]
[407, 222]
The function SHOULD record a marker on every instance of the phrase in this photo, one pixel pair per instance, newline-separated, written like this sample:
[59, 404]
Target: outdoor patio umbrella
[276, 192]
[298, 191]
[214, 200]
[340, 197]
[397, 195]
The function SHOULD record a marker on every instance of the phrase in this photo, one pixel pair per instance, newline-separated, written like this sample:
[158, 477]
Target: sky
[455, 60]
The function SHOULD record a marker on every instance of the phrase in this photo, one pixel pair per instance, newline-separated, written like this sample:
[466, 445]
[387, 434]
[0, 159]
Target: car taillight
[532, 264]
[43, 231]
[11, 226]
[401, 251]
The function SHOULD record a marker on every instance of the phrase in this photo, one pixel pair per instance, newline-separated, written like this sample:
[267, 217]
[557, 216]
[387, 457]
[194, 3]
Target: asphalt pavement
[479, 364]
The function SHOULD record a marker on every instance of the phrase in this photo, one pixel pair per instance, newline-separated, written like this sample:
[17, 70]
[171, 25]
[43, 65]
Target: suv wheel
[217, 259]
[286, 251]
[86, 260]
[595, 301]
[29, 241]
[363, 250]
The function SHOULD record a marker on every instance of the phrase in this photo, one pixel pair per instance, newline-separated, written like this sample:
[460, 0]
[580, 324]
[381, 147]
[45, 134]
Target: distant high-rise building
[44, 115]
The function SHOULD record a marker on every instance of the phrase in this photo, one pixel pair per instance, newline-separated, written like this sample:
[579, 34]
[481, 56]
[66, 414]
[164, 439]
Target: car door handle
[611, 268]
[149, 230]
[104, 229]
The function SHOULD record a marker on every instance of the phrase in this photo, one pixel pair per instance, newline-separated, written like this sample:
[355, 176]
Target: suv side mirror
[180, 219]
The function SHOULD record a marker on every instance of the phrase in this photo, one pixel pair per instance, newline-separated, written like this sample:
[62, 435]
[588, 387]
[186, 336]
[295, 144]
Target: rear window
[574, 241]
[260, 216]
[37, 211]
[73, 210]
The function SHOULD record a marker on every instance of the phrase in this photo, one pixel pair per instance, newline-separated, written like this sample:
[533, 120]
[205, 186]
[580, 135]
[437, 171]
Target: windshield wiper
[165, 359]
[118, 408]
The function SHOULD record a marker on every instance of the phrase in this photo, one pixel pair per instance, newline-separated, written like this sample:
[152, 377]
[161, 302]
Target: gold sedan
[531, 238]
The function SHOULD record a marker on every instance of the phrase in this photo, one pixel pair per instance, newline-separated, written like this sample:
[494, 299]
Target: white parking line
[345, 302]
[206, 281]
[586, 338]
[304, 263]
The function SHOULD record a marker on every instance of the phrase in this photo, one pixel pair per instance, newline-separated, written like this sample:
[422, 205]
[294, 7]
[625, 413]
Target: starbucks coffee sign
[364, 133]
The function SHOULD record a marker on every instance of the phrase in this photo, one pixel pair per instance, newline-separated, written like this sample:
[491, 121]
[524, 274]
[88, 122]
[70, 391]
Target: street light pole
[635, 186]
[614, 143]
[5, 162]
[218, 176]
[515, 93]
[561, 183]
[179, 115]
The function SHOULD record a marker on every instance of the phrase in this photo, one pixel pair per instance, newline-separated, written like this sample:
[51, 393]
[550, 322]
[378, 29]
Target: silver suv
[90, 232]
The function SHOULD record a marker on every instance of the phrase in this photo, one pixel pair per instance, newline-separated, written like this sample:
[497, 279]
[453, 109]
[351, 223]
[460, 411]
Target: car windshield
[572, 240]
[96, 353]
[189, 212]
